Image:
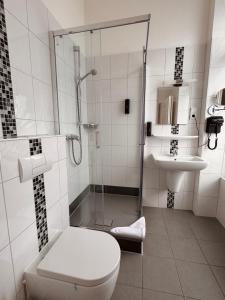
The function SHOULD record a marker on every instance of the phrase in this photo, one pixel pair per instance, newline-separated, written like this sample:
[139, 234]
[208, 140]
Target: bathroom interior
[112, 150]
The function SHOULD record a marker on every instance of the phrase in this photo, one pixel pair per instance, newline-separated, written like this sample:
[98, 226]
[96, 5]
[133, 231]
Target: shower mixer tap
[73, 137]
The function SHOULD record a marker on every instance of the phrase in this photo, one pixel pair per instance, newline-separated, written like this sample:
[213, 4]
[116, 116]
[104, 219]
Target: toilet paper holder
[32, 166]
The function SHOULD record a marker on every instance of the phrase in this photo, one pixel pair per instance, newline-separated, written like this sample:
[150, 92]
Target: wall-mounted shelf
[175, 137]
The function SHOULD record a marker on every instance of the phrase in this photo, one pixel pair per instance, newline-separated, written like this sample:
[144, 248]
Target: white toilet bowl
[83, 264]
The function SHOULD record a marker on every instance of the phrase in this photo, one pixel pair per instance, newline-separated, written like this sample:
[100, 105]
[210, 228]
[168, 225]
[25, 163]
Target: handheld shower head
[93, 72]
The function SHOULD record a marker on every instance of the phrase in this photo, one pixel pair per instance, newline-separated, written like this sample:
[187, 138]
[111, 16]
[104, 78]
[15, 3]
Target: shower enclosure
[97, 69]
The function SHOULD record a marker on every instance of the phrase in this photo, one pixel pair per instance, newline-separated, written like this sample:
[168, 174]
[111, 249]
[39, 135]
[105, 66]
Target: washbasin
[176, 166]
[180, 163]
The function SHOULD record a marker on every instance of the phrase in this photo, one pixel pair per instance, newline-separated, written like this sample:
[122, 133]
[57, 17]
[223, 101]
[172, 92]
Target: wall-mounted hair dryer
[213, 126]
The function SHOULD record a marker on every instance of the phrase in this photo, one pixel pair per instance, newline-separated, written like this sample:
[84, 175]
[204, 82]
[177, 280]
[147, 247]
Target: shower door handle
[97, 138]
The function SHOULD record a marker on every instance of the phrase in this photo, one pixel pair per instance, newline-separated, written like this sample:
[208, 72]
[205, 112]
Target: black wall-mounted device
[149, 128]
[127, 106]
[213, 126]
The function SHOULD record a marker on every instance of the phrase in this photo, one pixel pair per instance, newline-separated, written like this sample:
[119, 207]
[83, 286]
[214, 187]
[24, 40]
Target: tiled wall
[161, 72]
[28, 24]
[117, 161]
[207, 190]
[78, 176]
[19, 239]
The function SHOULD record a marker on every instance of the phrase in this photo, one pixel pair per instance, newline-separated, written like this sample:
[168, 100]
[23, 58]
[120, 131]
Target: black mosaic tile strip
[7, 109]
[175, 129]
[39, 198]
[35, 146]
[170, 199]
[174, 147]
[40, 210]
[174, 142]
[179, 62]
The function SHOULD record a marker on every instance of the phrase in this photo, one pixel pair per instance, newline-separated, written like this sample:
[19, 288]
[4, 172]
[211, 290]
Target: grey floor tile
[123, 292]
[130, 269]
[214, 252]
[187, 249]
[152, 213]
[179, 230]
[220, 276]
[198, 281]
[157, 245]
[208, 229]
[152, 295]
[160, 274]
[156, 226]
[183, 216]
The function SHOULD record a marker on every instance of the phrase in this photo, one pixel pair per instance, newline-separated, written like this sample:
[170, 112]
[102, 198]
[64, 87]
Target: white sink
[180, 163]
[176, 166]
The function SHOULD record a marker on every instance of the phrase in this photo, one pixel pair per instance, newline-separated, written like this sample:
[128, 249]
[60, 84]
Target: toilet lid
[81, 256]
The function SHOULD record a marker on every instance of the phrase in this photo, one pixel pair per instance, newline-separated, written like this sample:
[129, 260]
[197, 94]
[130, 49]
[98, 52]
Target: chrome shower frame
[94, 27]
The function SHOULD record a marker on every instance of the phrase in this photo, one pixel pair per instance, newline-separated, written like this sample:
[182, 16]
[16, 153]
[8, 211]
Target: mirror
[173, 105]
[221, 97]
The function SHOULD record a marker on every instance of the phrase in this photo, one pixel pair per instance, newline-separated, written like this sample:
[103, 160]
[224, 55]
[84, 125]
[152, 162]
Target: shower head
[93, 72]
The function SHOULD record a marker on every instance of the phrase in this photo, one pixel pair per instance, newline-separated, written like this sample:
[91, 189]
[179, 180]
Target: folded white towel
[136, 230]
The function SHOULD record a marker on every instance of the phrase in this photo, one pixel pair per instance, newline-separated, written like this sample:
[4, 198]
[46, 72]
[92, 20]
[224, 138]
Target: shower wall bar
[104, 25]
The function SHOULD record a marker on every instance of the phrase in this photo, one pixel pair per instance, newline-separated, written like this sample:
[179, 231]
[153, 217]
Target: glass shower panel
[97, 71]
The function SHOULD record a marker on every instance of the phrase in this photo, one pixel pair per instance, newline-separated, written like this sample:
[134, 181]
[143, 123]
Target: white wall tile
[170, 61]
[134, 88]
[133, 177]
[19, 202]
[134, 117]
[117, 113]
[40, 59]
[23, 95]
[64, 212]
[10, 152]
[119, 65]
[133, 134]
[133, 156]
[63, 177]
[62, 147]
[7, 282]
[4, 235]
[50, 148]
[135, 62]
[38, 19]
[18, 8]
[118, 176]
[119, 135]
[119, 156]
[43, 101]
[45, 127]
[207, 206]
[52, 189]
[26, 127]
[24, 251]
[19, 49]
[156, 62]
[209, 185]
[150, 197]
[102, 65]
[189, 55]
[151, 178]
[118, 89]
[54, 220]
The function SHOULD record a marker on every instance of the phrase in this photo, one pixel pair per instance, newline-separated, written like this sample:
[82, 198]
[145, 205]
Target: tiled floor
[184, 259]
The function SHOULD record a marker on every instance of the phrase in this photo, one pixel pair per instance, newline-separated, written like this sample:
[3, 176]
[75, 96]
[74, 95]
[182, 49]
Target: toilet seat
[81, 256]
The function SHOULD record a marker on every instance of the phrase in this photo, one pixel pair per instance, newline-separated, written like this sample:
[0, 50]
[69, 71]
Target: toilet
[82, 264]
